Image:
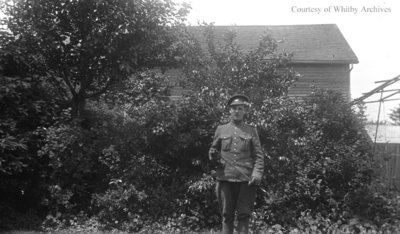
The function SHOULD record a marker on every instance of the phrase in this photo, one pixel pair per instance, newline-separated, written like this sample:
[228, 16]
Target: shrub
[320, 157]
[27, 108]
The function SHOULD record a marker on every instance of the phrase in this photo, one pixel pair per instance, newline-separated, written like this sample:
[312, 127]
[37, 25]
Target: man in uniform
[236, 149]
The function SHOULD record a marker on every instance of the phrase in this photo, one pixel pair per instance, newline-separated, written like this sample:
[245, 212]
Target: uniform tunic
[238, 144]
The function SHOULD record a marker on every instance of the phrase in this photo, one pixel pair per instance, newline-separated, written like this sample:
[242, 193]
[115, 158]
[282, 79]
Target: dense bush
[319, 157]
[154, 167]
[27, 108]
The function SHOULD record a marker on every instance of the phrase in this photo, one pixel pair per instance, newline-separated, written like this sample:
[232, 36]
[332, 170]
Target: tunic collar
[237, 124]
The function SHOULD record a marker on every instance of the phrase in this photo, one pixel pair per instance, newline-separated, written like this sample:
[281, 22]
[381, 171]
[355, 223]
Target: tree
[58, 54]
[395, 115]
[84, 47]
[223, 68]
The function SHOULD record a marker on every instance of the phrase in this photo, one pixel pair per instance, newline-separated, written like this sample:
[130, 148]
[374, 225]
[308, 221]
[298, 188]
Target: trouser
[235, 196]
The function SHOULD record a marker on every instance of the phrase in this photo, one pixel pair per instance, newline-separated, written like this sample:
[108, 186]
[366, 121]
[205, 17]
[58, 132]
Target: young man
[236, 149]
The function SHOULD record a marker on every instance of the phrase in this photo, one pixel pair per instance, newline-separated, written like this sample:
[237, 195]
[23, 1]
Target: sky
[373, 35]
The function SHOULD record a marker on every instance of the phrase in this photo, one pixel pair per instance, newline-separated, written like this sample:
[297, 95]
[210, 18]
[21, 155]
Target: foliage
[55, 57]
[78, 224]
[306, 224]
[395, 115]
[25, 105]
[138, 161]
[319, 158]
[87, 158]
[223, 68]
[148, 164]
[27, 108]
[317, 223]
[174, 138]
[139, 89]
[84, 47]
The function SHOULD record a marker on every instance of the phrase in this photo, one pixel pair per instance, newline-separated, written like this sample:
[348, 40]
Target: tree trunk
[78, 107]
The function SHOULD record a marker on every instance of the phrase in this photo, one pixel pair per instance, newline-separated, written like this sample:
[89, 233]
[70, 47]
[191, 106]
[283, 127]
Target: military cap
[238, 99]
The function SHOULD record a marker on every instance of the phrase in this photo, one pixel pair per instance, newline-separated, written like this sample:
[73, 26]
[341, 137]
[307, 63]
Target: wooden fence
[388, 164]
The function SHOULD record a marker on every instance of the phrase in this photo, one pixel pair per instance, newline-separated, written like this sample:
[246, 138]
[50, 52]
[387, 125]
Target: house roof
[317, 43]
[386, 133]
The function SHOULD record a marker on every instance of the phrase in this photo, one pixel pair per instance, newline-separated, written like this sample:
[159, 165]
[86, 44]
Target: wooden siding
[326, 76]
[387, 167]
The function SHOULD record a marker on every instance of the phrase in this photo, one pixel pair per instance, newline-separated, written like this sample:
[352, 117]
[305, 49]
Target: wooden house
[321, 54]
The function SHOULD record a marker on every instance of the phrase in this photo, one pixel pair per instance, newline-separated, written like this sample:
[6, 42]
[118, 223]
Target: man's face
[237, 112]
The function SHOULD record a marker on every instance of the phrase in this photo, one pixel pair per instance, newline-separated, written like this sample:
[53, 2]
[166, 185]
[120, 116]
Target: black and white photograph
[199, 116]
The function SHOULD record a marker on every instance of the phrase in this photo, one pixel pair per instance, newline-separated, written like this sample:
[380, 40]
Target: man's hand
[255, 181]
[214, 158]
[213, 154]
